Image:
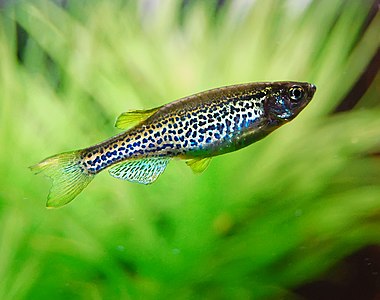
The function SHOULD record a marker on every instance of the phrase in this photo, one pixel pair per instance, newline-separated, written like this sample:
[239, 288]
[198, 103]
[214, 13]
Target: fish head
[287, 99]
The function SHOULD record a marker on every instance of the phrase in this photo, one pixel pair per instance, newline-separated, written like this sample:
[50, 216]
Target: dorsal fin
[198, 165]
[131, 118]
[143, 171]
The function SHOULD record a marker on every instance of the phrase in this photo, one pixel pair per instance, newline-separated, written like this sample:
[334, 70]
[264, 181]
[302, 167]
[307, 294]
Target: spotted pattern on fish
[187, 133]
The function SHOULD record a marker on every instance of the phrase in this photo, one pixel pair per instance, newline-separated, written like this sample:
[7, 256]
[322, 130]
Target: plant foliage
[257, 223]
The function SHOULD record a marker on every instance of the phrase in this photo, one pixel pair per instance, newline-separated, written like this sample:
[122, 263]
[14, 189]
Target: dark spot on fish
[167, 146]
[260, 95]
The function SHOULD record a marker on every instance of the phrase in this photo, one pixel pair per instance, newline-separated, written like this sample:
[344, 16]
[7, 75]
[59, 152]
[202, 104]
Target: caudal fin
[69, 177]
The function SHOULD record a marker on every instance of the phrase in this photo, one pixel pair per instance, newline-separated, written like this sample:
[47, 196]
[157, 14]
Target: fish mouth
[312, 89]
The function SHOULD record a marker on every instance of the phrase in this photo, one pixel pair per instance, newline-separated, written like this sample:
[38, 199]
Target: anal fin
[198, 165]
[143, 171]
[131, 118]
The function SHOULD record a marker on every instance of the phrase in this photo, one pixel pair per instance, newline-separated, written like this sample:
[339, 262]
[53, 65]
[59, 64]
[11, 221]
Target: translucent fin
[143, 171]
[198, 165]
[131, 118]
[69, 178]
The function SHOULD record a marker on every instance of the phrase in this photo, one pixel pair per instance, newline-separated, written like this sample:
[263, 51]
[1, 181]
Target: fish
[194, 129]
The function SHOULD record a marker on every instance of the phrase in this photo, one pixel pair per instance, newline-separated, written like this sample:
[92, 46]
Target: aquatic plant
[258, 222]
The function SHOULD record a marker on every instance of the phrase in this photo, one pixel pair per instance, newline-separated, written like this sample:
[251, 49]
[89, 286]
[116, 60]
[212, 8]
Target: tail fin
[69, 177]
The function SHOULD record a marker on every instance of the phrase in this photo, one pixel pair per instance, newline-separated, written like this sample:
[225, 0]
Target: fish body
[194, 129]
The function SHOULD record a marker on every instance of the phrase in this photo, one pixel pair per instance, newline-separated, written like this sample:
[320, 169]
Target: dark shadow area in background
[370, 72]
[361, 85]
[357, 277]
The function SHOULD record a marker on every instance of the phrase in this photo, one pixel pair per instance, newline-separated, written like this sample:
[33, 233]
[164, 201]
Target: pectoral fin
[143, 171]
[131, 118]
[198, 165]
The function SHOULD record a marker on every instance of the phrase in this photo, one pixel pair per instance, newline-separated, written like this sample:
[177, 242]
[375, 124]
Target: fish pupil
[296, 93]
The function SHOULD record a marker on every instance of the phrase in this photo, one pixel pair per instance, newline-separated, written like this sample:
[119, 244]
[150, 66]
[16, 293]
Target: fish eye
[296, 92]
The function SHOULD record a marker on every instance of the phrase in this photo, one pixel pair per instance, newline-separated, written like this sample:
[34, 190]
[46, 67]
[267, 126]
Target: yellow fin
[69, 178]
[131, 118]
[198, 165]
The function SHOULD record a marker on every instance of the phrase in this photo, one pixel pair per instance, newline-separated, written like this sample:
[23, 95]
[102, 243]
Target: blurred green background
[259, 223]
